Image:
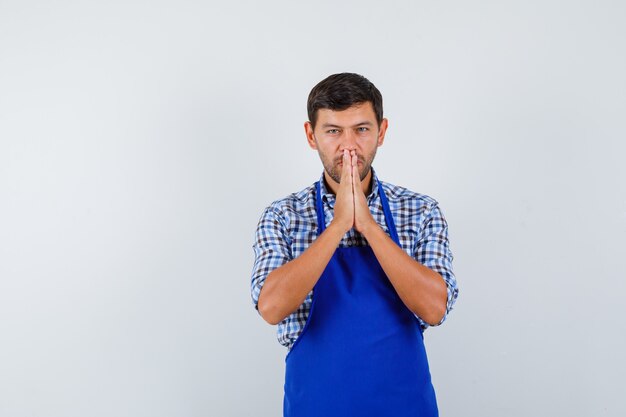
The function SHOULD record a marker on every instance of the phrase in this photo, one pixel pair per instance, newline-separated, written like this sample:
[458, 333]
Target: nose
[348, 141]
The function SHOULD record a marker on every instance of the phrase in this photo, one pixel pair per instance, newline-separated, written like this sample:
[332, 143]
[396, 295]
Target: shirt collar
[330, 197]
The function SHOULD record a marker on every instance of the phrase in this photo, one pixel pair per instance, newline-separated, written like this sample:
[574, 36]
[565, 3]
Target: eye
[363, 129]
[332, 131]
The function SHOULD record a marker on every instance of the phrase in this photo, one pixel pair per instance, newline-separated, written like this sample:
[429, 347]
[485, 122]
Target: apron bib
[361, 352]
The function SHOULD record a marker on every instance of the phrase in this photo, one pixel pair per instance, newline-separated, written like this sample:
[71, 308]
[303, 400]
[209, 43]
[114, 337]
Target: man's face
[354, 128]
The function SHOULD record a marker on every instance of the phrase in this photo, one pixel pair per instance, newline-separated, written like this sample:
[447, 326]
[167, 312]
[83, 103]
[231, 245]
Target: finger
[352, 153]
[345, 168]
[345, 160]
[356, 179]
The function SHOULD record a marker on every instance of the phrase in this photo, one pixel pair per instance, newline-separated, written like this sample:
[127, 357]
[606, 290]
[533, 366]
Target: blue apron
[361, 352]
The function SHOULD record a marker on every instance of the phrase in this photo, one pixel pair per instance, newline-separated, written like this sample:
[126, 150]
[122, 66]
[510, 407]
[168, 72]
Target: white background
[140, 141]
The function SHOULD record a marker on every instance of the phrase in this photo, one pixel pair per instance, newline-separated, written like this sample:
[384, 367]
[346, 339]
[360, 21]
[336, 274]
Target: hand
[363, 218]
[344, 200]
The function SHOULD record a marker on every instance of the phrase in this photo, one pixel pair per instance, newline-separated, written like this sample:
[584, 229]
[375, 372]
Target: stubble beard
[333, 169]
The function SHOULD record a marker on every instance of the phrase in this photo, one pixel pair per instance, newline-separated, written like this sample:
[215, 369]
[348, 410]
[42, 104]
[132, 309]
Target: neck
[366, 183]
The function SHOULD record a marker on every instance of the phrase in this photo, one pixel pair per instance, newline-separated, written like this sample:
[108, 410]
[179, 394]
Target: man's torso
[288, 226]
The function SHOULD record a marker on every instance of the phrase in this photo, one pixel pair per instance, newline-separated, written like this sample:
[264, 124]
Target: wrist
[369, 228]
[338, 229]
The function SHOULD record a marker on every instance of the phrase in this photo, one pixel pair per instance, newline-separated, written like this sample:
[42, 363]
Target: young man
[353, 269]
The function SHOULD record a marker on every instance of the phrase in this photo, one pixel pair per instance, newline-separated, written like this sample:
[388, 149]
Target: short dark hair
[341, 91]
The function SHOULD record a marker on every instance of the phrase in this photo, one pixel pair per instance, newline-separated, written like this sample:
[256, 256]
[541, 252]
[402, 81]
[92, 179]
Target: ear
[310, 138]
[382, 130]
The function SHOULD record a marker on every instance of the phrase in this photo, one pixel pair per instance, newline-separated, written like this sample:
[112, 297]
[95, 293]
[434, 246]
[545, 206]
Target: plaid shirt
[288, 226]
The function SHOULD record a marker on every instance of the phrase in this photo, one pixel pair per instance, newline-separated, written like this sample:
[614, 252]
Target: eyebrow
[364, 123]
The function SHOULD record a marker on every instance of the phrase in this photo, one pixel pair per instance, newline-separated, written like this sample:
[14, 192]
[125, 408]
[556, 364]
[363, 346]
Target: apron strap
[391, 225]
[319, 209]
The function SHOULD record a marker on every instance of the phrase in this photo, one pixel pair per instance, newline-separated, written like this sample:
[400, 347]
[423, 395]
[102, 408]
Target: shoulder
[292, 206]
[399, 195]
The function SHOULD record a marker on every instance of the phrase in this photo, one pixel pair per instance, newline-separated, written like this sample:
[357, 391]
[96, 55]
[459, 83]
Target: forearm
[286, 287]
[421, 289]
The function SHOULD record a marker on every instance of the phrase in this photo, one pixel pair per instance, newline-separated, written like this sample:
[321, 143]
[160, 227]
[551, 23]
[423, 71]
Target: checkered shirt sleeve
[272, 248]
[433, 251]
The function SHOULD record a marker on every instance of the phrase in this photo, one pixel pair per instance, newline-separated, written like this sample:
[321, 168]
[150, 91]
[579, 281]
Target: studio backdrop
[141, 140]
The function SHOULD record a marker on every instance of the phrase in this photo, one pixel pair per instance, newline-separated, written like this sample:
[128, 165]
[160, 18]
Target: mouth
[358, 163]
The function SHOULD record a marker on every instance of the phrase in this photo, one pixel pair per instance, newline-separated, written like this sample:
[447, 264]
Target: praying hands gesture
[351, 209]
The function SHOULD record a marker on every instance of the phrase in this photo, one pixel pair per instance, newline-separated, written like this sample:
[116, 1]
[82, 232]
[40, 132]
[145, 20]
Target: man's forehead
[361, 113]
